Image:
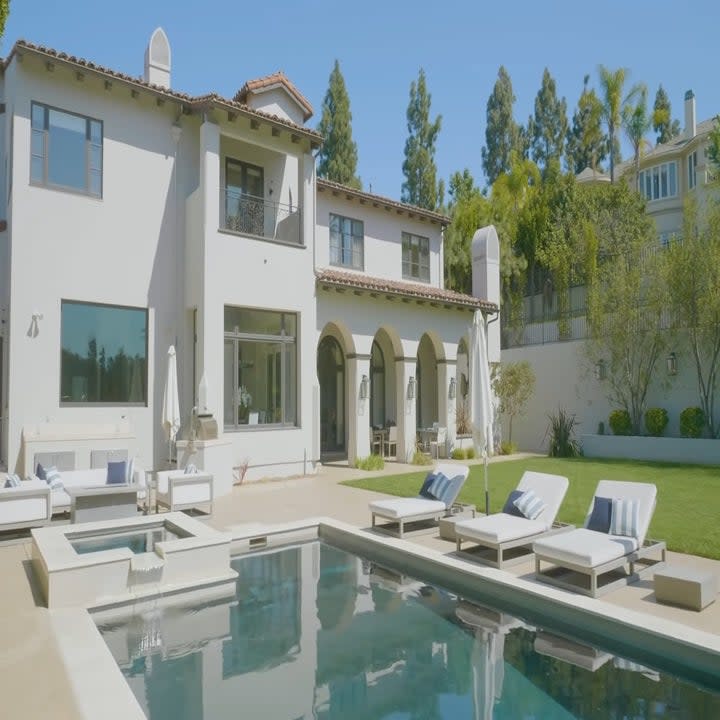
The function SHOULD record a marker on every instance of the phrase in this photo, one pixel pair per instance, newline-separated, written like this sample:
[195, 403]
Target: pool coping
[102, 691]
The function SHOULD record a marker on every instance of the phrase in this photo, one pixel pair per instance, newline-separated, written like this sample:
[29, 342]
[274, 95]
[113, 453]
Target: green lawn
[687, 516]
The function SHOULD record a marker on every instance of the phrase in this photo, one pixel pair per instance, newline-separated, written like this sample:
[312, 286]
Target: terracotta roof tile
[194, 102]
[323, 184]
[420, 291]
[277, 78]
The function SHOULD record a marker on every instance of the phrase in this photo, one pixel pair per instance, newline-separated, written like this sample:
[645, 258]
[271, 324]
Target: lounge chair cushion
[406, 507]
[499, 528]
[625, 519]
[601, 514]
[510, 508]
[584, 547]
[530, 504]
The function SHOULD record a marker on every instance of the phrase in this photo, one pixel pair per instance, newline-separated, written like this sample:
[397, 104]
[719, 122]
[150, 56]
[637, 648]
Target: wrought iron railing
[251, 215]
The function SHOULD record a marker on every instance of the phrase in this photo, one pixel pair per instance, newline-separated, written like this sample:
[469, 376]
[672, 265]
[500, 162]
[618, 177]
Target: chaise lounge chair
[506, 538]
[611, 549]
[425, 506]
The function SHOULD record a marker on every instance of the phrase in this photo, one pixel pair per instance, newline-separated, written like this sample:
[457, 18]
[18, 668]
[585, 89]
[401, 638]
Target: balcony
[251, 215]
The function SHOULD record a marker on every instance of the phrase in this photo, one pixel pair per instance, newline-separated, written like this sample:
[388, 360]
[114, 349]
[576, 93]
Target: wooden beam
[254, 124]
[80, 76]
[231, 116]
[160, 101]
[135, 93]
[295, 138]
[276, 132]
[50, 66]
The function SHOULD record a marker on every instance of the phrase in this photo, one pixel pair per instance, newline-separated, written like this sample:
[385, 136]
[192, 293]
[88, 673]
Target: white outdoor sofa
[400, 511]
[502, 539]
[86, 479]
[178, 490]
[593, 562]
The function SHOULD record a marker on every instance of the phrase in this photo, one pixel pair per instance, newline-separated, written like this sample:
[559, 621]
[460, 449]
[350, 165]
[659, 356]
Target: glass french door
[244, 197]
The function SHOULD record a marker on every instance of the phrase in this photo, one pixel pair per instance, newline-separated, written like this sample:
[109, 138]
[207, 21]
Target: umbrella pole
[487, 491]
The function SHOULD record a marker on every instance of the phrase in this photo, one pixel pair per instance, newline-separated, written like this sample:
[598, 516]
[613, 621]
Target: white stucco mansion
[135, 217]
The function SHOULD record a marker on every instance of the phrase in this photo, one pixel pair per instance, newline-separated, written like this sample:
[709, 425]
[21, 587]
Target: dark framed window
[415, 257]
[66, 150]
[244, 197]
[659, 182]
[103, 354]
[347, 239]
[260, 368]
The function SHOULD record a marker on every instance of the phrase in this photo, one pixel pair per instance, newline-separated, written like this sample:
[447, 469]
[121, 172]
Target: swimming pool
[316, 632]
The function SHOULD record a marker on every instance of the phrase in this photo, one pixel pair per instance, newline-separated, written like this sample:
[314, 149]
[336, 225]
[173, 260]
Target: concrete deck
[27, 644]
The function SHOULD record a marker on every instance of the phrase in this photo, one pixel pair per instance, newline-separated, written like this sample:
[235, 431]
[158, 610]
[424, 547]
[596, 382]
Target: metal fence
[251, 215]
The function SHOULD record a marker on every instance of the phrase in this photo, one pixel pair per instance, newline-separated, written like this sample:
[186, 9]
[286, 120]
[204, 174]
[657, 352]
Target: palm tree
[612, 83]
[637, 121]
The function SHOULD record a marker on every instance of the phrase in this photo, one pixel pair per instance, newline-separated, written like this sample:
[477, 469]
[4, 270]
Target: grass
[687, 516]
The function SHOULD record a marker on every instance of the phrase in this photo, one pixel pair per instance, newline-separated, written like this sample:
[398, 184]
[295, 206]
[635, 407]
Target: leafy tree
[693, 286]
[626, 297]
[514, 386]
[663, 124]
[549, 125]
[421, 187]
[714, 144]
[636, 122]
[587, 144]
[4, 12]
[338, 156]
[612, 86]
[502, 134]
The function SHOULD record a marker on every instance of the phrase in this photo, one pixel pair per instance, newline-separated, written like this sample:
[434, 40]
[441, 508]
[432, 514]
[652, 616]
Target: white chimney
[690, 127]
[157, 60]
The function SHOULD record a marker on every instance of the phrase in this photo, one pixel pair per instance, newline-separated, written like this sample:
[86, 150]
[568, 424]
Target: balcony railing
[251, 215]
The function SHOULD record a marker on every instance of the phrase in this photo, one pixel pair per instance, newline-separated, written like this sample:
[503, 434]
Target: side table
[102, 503]
[458, 512]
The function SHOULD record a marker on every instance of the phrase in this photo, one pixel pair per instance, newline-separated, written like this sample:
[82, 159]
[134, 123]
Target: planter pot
[695, 451]
[463, 441]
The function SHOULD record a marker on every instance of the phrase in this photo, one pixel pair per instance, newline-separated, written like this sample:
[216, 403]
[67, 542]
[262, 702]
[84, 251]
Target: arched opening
[462, 389]
[378, 416]
[331, 378]
[426, 380]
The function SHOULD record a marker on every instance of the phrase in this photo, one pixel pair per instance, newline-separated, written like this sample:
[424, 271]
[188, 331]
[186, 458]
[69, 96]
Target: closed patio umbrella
[481, 408]
[171, 402]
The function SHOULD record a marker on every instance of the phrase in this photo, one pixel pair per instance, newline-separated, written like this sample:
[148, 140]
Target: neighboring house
[136, 217]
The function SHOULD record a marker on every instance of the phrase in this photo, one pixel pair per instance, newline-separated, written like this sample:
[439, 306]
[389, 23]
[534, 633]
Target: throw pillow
[12, 481]
[53, 478]
[510, 508]
[40, 472]
[439, 485]
[116, 473]
[446, 489]
[625, 518]
[425, 489]
[601, 515]
[190, 469]
[530, 505]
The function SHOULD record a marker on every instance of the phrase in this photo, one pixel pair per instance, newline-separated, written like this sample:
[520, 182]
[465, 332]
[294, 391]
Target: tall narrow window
[346, 242]
[692, 170]
[260, 359]
[66, 150]
[415, 257]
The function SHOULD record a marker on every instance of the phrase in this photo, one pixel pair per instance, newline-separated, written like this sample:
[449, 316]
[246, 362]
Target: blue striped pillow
[53, 478]
[12, 481]
[446, 489]
[191, 469]
[625, 518]
[427, 484]
[530, 505]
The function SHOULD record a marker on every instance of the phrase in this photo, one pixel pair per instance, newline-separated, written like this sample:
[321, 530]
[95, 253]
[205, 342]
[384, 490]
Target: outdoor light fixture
[671, 364]
[364, 387]
[453, 389]
[411, 388]
[600, 370]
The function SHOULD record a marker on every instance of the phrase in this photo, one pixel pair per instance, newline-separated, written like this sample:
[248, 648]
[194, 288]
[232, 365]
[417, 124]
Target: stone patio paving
[32, 675]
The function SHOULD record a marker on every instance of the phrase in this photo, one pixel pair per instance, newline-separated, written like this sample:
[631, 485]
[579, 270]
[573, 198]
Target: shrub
[470, 452]
[420, 458]
[371, 462]
[620, 422]
[692, 422]
[507, 448]
[656, 420]
[561, 428]
[458, 453]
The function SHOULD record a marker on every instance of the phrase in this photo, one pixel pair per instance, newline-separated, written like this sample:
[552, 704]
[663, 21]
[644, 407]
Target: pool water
[137, 541]
[316, 633]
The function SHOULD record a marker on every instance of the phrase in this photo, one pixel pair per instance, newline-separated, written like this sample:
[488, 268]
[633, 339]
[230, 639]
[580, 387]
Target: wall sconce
[364, 387]
[452, 391]
[411, 388]
[671, 364]
[600, 372]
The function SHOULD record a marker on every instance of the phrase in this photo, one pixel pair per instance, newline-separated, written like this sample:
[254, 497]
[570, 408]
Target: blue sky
[217, 45]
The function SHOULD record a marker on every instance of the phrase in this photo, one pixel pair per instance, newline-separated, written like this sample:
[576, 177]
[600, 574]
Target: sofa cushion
[117, 473]
[40, 472]
[95, 477]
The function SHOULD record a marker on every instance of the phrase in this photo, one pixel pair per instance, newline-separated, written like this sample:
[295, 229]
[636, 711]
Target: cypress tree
[587, 144]
[502, 134]
[421, 187]
[337, 160]
[663, 124]
[549, 123]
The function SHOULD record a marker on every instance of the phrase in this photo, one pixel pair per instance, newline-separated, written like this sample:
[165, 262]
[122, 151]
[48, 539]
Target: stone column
[406, 407]
[446, 405]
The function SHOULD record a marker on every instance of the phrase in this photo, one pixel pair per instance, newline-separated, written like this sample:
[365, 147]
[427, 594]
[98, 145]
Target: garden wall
[697, 451]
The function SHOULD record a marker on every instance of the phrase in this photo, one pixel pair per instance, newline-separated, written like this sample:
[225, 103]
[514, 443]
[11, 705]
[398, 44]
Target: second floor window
[66, 150]
[692, 170]
[659, 182]
[346, 242]
[415, 257]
